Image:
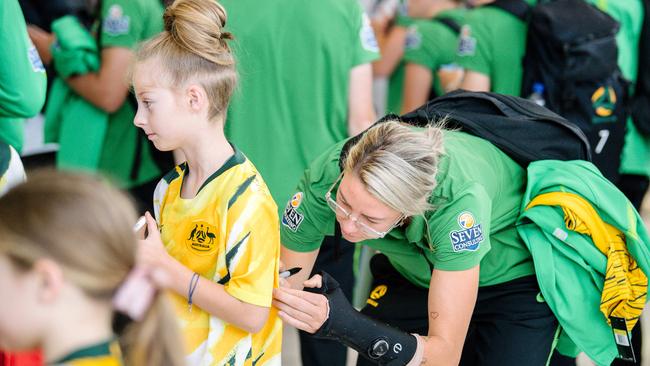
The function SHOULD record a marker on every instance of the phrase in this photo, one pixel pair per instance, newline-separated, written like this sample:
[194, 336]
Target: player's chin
[162, 146]
[352, 238]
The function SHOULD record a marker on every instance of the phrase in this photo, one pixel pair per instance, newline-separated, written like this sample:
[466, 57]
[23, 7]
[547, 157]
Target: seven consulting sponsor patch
[470, 235]
[291, 217]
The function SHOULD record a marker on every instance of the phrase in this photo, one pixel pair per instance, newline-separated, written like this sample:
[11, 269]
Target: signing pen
[290, 272]
[139, 224]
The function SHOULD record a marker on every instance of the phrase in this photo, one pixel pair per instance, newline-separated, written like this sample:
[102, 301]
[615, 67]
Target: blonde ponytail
[154, 340]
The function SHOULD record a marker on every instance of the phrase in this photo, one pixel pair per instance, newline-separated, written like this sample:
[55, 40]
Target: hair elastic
[194, 281]
[135, 294]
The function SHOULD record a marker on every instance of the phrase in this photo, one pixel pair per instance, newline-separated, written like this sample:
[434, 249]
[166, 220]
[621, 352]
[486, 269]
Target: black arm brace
[373, 340]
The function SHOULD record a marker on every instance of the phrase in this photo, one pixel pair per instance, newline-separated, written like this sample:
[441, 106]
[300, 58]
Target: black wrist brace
[373, 340]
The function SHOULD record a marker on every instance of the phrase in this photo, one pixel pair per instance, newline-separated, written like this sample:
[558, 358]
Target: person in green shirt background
[388, 71]
[22, 94]
[430, 51]
[22, 76]
[491, 48]
[305, 83]
[441, 207]
[417, 53]
[119, 26]
[22, 90]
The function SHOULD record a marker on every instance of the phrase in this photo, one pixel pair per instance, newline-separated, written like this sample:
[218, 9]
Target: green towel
[78, 126]
[569, 268]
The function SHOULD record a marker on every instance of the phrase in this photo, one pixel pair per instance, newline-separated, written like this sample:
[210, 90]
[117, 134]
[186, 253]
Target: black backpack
[571, 53]
[520, 128]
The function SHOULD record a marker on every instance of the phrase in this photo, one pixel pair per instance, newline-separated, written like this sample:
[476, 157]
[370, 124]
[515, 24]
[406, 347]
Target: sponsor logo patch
[34, 58]
[604, 102]
[291, 218]
[469, 236]
[466, 43]
[116, 23]
[200, 238]
[413, 39]
[368, 40]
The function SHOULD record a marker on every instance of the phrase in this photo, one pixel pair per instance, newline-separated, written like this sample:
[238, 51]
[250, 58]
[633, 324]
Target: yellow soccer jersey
[229, 233]
[103, 354]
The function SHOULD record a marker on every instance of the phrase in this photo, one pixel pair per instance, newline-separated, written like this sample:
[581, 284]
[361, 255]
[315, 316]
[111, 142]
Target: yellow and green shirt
[229, 233]
[102, 354]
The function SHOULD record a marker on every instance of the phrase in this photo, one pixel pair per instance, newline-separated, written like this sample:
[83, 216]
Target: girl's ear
[50, 276]
[197, 97]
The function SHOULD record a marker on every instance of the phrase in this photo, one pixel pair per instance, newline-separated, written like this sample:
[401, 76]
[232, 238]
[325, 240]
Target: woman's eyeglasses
[342, 213]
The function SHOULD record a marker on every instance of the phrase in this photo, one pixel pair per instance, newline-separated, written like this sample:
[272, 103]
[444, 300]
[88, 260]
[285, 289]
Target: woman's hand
[301, 309]
[152, 254]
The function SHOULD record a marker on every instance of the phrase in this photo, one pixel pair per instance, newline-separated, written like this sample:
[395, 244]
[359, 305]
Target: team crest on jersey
[604, 103]
[291, 218]
[368, 40]
[470, 234]
[34, 58]
[201, 237]
[466, 43]
[116, 22]
[413, 38]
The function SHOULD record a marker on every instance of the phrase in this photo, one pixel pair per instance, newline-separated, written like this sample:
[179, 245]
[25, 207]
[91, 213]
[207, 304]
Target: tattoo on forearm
[434, 315]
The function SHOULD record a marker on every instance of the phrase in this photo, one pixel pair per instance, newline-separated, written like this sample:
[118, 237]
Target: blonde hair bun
[197, 26]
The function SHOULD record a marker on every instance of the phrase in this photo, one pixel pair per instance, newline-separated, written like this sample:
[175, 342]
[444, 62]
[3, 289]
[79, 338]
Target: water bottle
[537, 96]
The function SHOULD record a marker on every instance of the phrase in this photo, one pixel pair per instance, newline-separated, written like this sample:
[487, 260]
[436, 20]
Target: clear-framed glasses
[368, 231]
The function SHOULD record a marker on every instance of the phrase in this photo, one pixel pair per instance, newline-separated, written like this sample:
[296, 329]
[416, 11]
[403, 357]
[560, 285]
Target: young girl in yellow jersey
[218, 245]
[67, 258]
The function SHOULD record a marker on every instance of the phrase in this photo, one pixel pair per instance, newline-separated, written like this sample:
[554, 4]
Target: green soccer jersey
[476, 206]
[433, 45]
[629, 13]
[22, 75]
[294, 60]
[493, 43]
[125, 23]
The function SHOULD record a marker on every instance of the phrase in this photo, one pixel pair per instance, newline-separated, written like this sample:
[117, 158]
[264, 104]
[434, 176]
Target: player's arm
[392, 50]
[208, 295]
[305, 260]
[108, 88]
[452, 295]
[475, 81]
[360, 110]
[328, 314]
[417, 85]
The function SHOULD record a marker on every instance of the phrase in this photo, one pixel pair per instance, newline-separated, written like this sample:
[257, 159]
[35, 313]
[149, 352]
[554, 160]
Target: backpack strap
[449, 23]
[518, 8]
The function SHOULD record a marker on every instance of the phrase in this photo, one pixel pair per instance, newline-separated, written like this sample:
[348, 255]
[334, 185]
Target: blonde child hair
[193, 48]
[85, 227]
